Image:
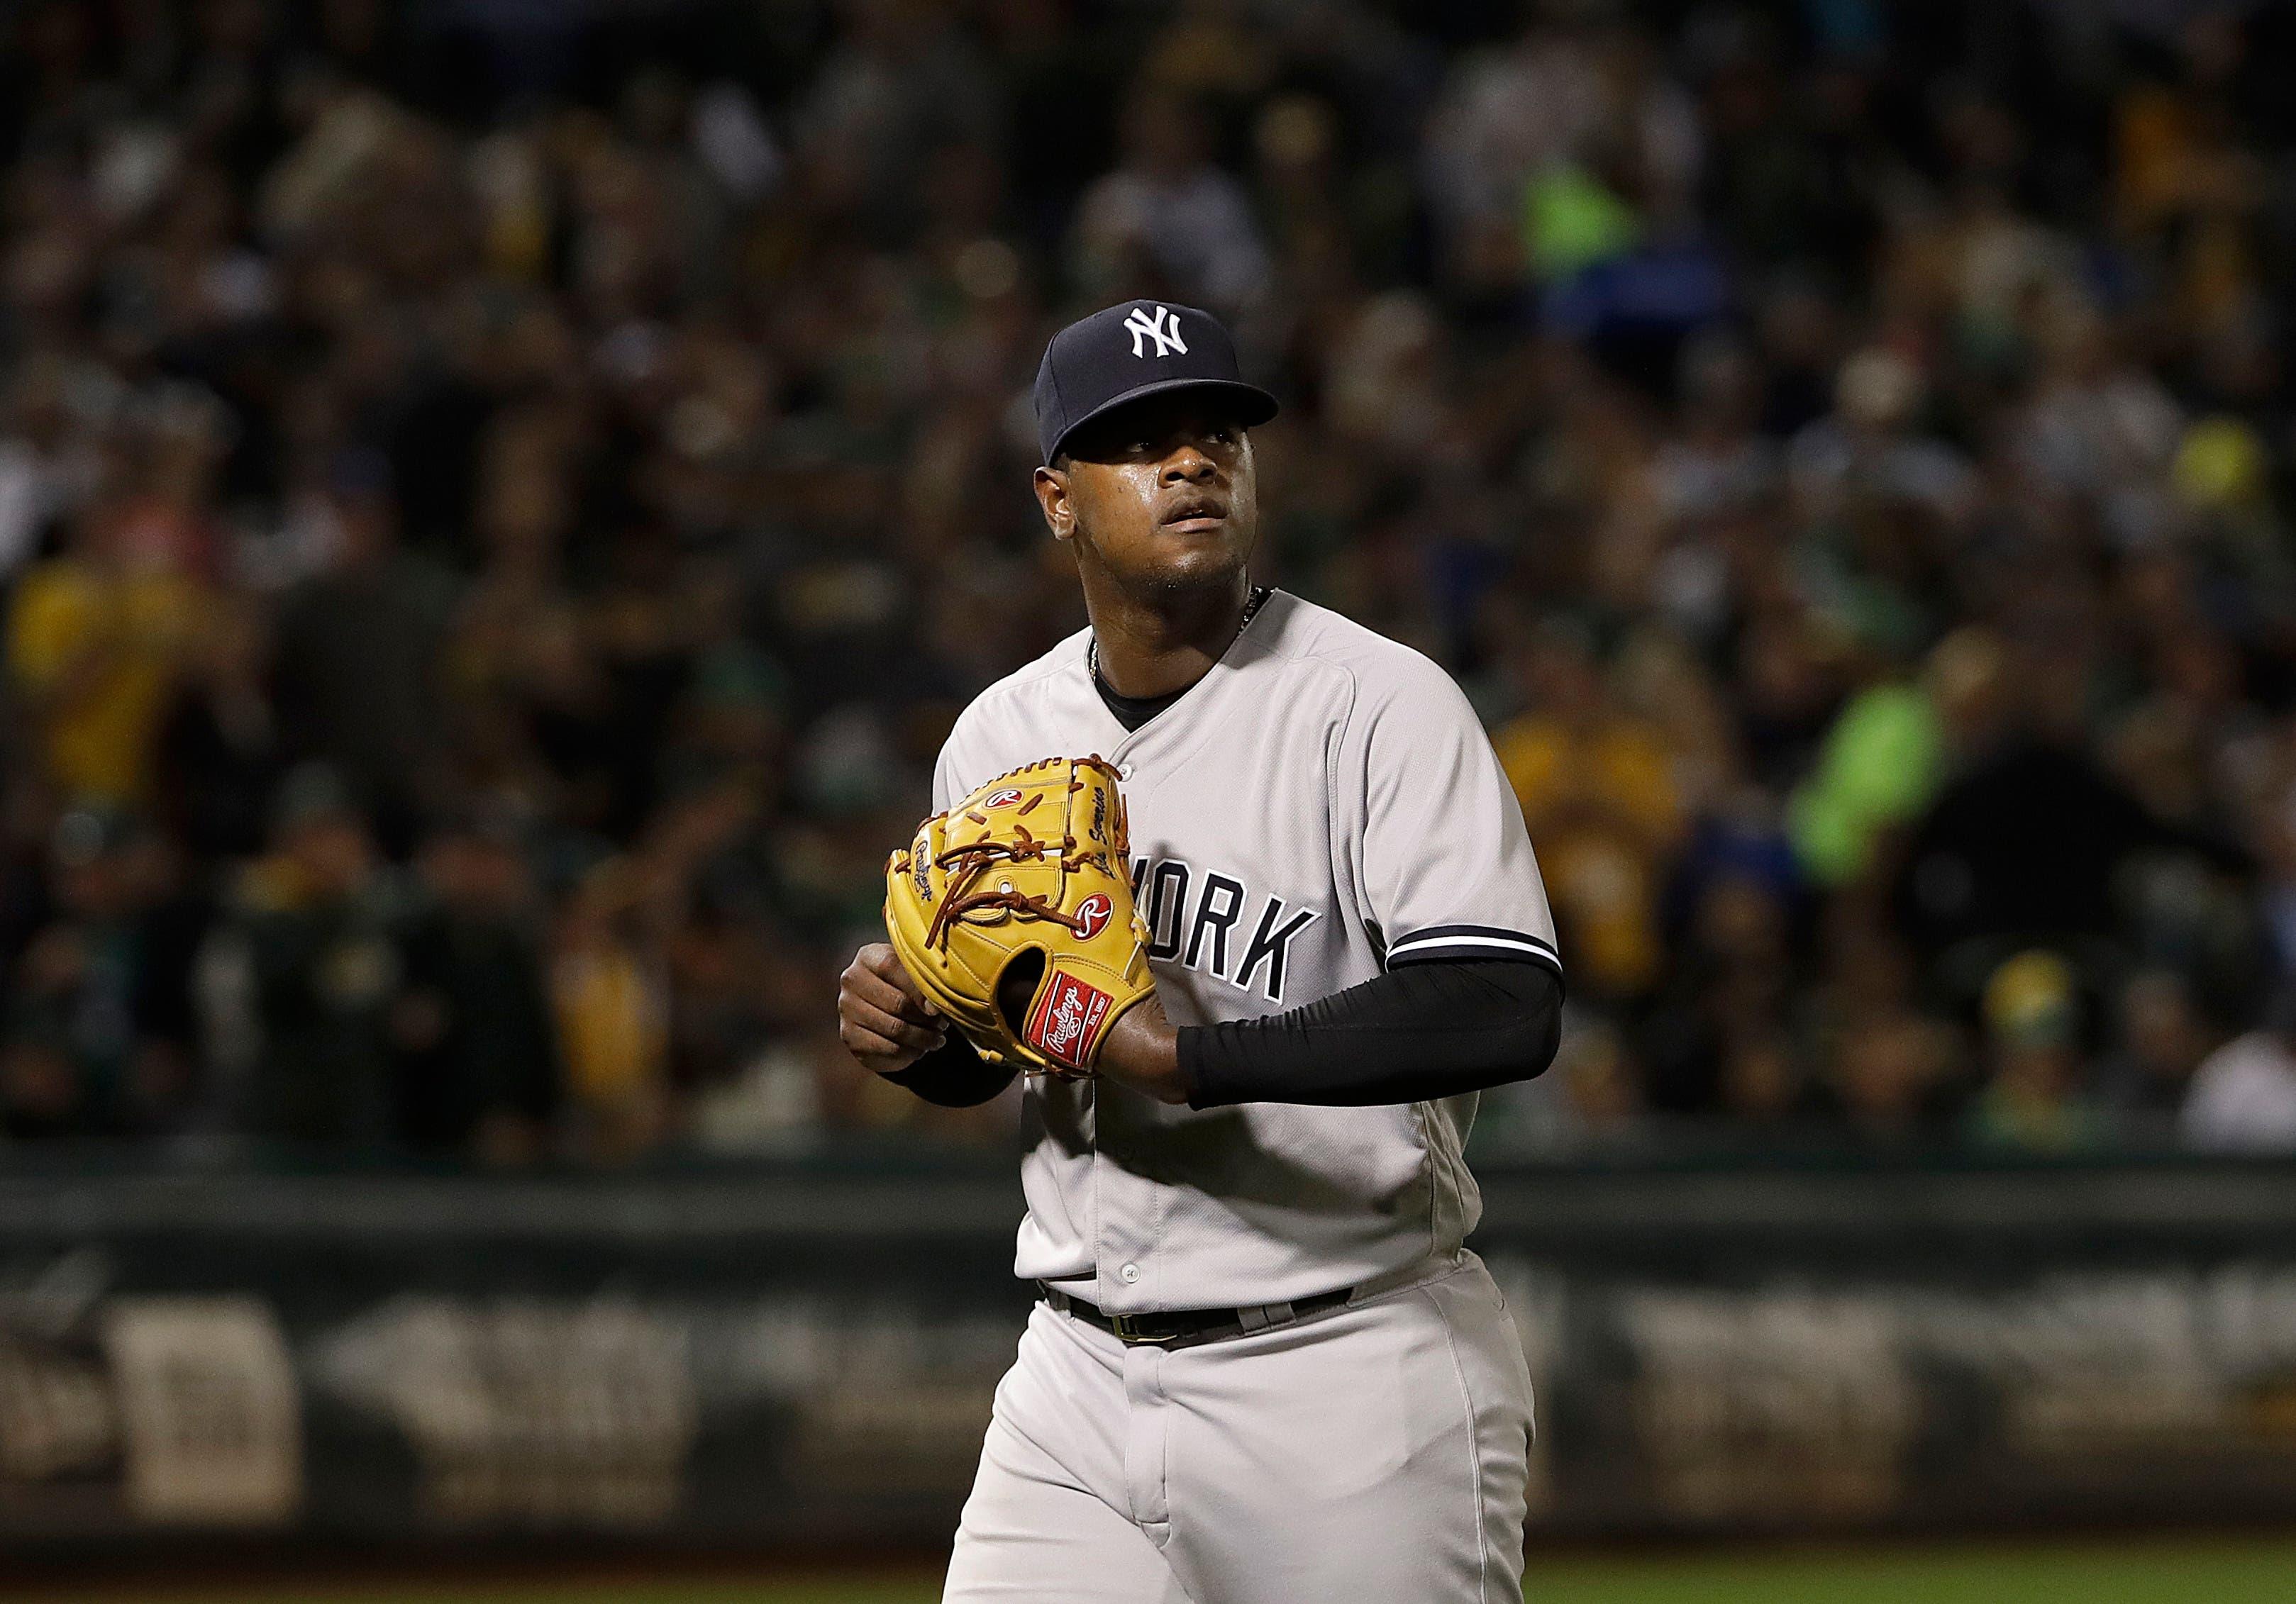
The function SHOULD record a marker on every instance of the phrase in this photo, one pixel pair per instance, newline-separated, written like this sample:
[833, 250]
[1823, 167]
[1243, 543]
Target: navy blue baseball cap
[1133, 349]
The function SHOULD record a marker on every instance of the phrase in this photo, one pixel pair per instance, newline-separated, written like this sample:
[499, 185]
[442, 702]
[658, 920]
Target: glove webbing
[966, 864]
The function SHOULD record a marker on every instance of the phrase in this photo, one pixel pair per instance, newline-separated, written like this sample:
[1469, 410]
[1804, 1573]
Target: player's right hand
[881, 1018]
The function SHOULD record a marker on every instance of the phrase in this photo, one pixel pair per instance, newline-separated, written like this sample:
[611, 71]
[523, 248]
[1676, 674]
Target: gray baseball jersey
[1322, 805]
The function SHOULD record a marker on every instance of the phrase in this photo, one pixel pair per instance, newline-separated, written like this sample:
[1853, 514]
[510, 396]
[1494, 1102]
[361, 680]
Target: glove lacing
[965, 864]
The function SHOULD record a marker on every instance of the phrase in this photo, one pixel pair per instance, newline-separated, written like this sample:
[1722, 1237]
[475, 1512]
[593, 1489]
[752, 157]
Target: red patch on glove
[1068, 1020]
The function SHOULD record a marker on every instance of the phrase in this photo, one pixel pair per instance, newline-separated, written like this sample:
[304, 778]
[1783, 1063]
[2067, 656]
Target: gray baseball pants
[1377, 1452]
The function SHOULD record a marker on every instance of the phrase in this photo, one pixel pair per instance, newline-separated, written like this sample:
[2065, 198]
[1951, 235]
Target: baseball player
[1264, 1369]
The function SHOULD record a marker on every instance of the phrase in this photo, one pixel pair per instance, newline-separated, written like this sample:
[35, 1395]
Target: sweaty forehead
[1155, 418]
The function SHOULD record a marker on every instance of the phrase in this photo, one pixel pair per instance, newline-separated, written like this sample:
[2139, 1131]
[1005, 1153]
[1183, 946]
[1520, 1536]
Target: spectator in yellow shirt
[1598, 791]
[611, 1005]
[95, 639]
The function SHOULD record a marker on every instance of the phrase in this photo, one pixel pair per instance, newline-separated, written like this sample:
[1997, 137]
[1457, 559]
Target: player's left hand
[1143, 1052]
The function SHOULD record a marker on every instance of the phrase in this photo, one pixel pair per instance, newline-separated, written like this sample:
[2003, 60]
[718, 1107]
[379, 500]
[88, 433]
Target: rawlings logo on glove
[1005, 890]
[1068, 1020]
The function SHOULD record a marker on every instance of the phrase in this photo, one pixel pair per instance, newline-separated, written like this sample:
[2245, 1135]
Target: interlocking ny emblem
[1164, 329]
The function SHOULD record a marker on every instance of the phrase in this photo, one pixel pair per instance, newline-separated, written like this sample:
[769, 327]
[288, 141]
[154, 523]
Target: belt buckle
[1128, 1332]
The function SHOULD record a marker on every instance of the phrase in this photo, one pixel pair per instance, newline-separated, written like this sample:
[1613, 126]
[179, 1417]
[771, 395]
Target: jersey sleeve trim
[1451, 943]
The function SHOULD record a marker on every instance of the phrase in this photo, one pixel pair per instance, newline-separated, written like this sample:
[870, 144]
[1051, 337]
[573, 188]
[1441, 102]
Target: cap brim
[1254, 406]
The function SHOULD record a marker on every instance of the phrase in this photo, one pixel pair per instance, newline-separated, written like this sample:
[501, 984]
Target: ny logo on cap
[1164, 329]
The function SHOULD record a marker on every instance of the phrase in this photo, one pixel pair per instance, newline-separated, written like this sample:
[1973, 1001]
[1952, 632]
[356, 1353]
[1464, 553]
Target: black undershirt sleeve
[1411, 1036]
[1424, 1031]
[1427, 1031]
[954, 1075]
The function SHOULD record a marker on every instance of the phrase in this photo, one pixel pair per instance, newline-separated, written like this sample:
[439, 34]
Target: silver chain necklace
[1252, 603]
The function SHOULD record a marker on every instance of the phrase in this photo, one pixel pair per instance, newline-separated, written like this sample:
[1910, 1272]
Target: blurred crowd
[499, 504]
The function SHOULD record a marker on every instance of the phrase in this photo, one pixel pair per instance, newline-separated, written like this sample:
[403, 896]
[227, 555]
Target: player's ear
[1051, 487]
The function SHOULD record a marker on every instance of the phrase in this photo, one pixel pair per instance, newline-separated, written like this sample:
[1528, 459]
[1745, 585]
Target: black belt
[1185, 1328]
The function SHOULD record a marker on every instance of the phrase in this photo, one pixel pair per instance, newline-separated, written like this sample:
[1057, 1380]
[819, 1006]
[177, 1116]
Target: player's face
[1161, 492]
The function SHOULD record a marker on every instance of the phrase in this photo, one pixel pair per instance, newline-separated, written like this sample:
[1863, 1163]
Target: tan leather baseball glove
[1025, 884]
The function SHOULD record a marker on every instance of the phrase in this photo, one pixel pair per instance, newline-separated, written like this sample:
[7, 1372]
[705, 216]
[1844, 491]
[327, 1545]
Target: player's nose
[1189, 465]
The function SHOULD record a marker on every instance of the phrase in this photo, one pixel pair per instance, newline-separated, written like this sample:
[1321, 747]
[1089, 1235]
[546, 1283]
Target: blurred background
[500, 501]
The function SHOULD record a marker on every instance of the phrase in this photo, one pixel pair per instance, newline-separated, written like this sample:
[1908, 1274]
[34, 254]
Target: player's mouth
[1198, 515]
